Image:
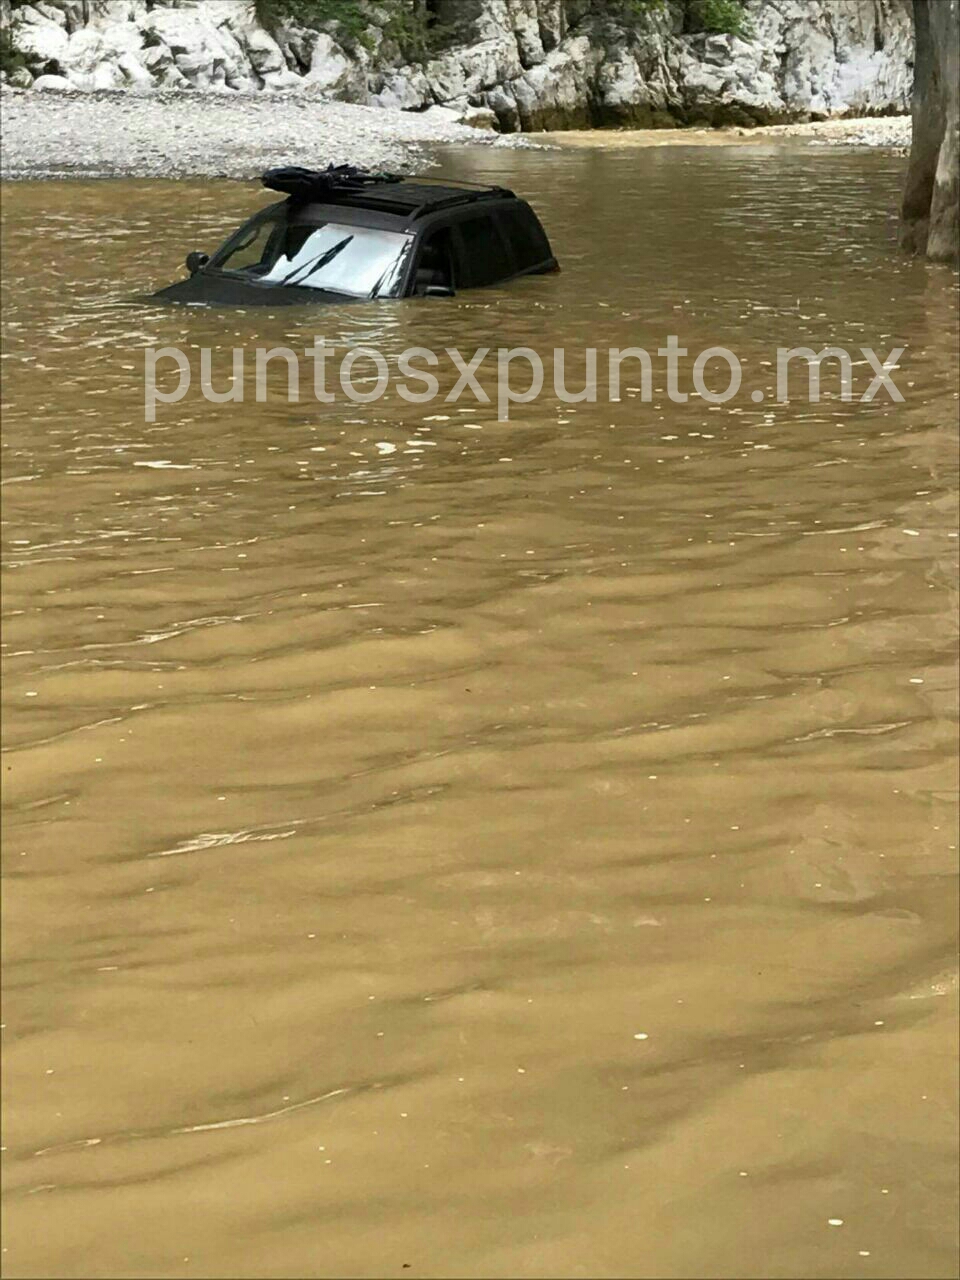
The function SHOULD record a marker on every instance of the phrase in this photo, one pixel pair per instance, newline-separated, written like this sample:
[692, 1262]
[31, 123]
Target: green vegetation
[11, 59]
[410, 24]
[639, 8]
[413, 26]
[347, 14]
[712, 16]
[624, 10]
[716, 16]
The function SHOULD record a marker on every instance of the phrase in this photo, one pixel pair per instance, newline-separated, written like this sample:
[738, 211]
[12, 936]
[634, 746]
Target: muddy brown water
[526, 850]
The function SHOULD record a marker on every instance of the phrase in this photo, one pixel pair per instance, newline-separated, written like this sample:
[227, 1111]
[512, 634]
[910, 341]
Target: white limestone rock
[282, 80]
[331, 72]
[52, 84]
[469, 71]
[162, 69]
[296, 44]
[504, 106]
[555, 91]
[840, 57]
[516, 59]
[48, 11]
[619, 82]
[408, 90]
[479, 118]
[263, 52]
[39, 40]
[204, 56]
[442, 115]
[522, 19]
[134, 73]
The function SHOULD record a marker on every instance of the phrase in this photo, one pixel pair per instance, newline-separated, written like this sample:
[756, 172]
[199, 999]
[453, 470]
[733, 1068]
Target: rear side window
[525, 237]
[482, 256]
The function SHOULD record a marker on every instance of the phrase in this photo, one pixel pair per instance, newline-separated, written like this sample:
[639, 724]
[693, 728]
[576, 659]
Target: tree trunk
[930, 210]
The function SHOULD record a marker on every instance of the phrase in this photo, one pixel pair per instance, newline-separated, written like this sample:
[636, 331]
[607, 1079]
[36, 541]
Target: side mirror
[438, 291]
[196, 260]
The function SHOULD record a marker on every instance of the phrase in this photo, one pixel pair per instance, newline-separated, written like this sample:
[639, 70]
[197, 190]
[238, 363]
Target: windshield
[363, 262]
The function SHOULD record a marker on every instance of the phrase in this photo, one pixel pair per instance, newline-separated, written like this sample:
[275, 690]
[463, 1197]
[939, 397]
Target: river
[437, 846]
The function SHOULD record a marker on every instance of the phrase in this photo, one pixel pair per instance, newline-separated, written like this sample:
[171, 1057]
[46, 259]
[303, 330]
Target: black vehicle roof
[411, 200]
[401, 200]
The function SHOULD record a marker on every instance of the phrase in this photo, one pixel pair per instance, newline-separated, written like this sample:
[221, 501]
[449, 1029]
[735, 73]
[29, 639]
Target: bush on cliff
[715, 17]
[347, 14]
[11, 59]
[723, 17]
[411, 24]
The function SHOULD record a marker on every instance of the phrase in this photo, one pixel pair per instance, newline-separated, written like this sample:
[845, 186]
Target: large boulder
[49, 11]
[52, 84]
[410, 91]
[135, 73]
[263, 52]
[625, 95]
[331, 72]
[479, 117]
[162, 69]
[468, 71]
[503, 104]
[41, 42]
[205, 51]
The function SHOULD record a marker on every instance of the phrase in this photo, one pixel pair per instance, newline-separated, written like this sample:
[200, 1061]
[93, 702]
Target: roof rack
[462, 197]
[309, 184]
[446, 180]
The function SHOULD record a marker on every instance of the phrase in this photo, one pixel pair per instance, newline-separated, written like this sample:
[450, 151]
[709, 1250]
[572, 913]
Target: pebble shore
[178, 134]
[871, 131]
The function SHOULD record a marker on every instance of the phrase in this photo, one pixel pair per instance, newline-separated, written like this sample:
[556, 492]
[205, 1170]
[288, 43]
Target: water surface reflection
[524, 849]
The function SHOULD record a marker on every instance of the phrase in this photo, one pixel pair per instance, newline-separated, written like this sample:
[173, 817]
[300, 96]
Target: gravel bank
[872, 131]
[176, 134]
[172, 135]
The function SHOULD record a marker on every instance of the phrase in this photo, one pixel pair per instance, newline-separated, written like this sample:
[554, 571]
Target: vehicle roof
[403, 199]
[384, 215]
[399, 204]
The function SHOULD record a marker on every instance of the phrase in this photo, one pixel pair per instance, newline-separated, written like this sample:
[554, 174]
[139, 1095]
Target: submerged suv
[345, 235]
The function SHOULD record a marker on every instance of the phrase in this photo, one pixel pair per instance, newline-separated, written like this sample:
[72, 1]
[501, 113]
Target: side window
[482, 256]
[251, 253]
[525, 237]
[434, 267]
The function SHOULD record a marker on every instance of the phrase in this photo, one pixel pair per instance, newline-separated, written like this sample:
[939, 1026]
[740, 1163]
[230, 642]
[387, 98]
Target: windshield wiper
[323, 260]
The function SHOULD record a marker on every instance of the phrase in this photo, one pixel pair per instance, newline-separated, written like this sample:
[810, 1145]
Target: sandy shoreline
[175, 134]
[869, 131]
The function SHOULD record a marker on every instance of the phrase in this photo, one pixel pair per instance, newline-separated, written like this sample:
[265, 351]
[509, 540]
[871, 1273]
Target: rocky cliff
[507, 64]
[930, 212]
